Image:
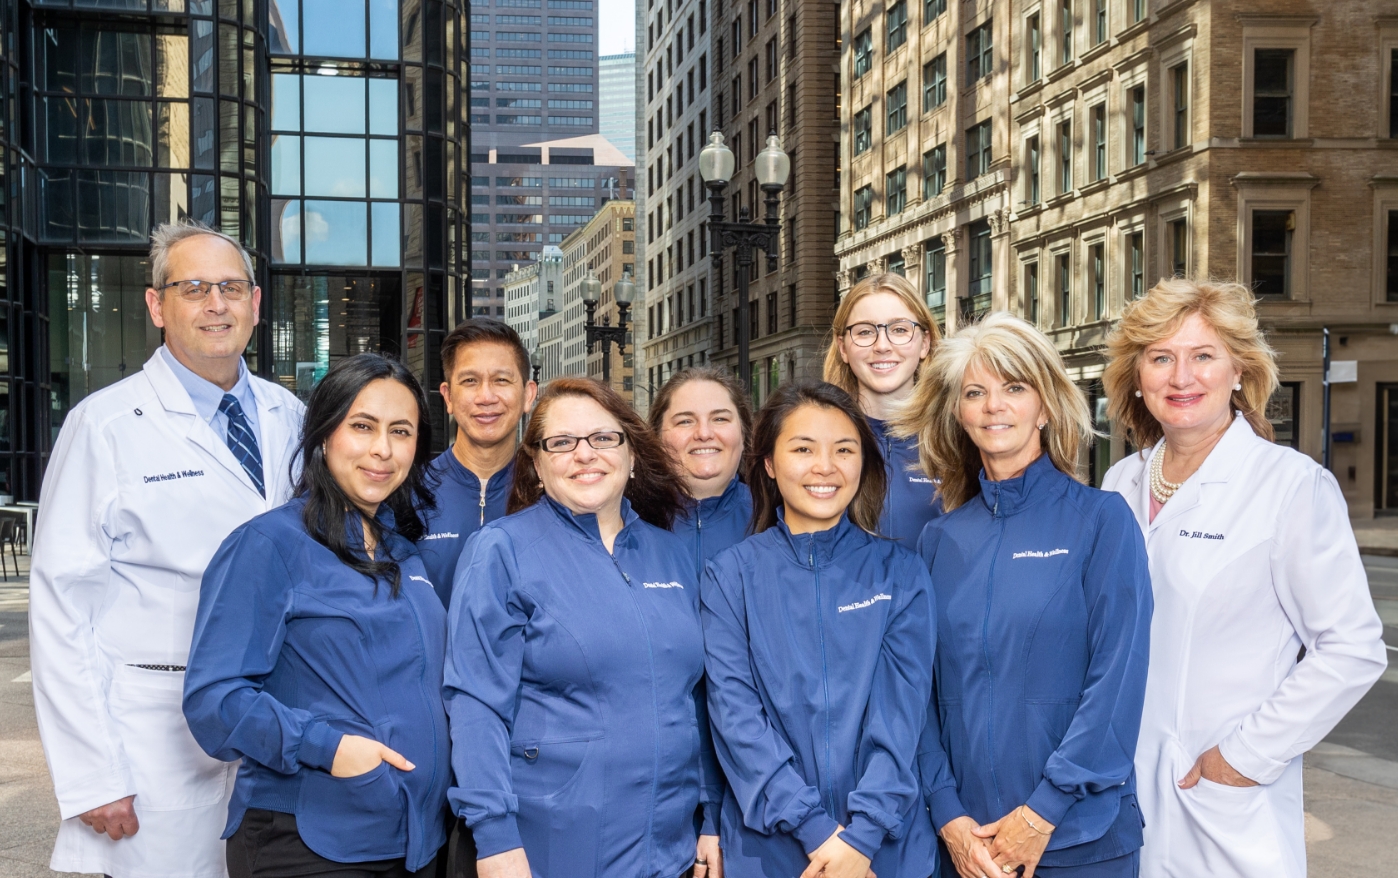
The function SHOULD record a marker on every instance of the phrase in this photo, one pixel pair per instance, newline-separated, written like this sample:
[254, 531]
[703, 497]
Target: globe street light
[772, 167]
[624, 292]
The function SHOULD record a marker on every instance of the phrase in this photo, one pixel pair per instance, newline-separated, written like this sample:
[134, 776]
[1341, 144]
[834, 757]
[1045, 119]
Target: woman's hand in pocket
[358, 755]
[1211, 766]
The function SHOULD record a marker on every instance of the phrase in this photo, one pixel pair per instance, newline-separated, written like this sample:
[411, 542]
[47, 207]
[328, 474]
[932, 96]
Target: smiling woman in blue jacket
[883, 337]
[575, 653]
[1045, 601]
[702, 416]
[819, 637]
[318, 649]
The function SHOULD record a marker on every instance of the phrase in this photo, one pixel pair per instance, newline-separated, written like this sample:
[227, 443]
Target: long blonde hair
[837, 371]
[1012, 349]
[1227, 307]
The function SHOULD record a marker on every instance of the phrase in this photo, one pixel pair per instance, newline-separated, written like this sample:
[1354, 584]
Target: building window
[1138, 125]
[1065, 19]
[978, 150]
[896, 190]
[980, 281]
[1179, 247]
[934, 82]
[1136, 263]
[1272, 83]
[863, 130]
[931, 9]
[1099, 22]
[980, 53]
[771, 59]
[1392, 261]
[1393, 94]
[897, 104]
[1096, 259]
[1035, 46]
[863, 52]
[863, 207]
[1065, 290]
[1065, 157]
[935, 263]
[934, 171]
[1179, 86]
[1271, 251]
[1099, 142]
[1031, 292]
[897, 21]
[1138, 10]
[1033, 196]
[771, 313]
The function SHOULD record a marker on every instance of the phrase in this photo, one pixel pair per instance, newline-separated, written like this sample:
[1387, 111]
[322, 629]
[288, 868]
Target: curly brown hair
[656, 491]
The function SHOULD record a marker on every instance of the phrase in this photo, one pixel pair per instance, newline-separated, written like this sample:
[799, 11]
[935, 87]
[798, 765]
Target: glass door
[1386, 492]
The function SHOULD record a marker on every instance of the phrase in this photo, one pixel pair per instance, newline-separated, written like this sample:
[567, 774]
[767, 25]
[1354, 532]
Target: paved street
[1351, 779]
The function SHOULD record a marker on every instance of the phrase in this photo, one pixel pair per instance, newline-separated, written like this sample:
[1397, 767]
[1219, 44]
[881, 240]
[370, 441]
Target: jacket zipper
[655, 707]
[824, 679]
[698, 543]
[985, 638]
[422, 684]
[485, 484]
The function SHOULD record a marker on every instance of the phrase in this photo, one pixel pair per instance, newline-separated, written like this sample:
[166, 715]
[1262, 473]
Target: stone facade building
[926, 150]
[533, 291]
[606, 246]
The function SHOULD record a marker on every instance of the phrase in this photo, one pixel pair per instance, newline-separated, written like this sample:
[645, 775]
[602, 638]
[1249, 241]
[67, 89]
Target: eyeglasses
[899, 332]
[600, 441]
[198, 290]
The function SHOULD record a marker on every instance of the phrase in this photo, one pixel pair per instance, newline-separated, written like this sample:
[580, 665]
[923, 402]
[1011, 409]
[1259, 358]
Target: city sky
[616, 26]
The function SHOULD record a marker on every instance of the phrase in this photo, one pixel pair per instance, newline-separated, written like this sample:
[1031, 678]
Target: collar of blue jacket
[586, 522]
[461, 510]
[820, 547]
[728, 501]
[1010, 496]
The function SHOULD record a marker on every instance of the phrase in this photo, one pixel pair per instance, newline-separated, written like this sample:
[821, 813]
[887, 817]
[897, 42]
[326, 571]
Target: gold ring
[1007, 869]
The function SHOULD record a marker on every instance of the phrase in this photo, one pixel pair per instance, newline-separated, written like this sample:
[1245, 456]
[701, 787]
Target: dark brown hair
[656, 492]
[867, 505]
[482, 330]
[660, 405]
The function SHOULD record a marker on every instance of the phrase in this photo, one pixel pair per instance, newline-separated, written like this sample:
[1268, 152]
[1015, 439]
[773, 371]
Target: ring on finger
[1007, 869]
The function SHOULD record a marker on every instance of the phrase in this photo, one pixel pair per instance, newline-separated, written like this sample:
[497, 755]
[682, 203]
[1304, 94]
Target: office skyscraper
[618, 101]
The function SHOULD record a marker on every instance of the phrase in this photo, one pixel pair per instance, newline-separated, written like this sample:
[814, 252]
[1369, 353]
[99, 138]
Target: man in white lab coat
[146, 480]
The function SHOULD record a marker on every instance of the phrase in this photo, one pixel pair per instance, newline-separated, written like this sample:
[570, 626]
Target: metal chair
[8, 528]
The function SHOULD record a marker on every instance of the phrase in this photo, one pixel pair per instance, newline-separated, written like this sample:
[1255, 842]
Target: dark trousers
[267, 845]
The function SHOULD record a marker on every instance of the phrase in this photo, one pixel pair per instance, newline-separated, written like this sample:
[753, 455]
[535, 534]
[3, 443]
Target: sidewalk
[1377, 536]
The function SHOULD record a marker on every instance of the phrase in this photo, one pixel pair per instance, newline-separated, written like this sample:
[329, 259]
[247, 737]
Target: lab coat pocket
[544, 769]
[171, 771]
[1233, 829]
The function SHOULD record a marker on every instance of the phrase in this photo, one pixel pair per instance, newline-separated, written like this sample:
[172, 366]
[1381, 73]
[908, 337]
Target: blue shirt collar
[206, 395]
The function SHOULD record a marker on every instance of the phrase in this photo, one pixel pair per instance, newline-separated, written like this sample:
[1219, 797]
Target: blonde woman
[883, 336]
[1253, 563]
[1044, 607]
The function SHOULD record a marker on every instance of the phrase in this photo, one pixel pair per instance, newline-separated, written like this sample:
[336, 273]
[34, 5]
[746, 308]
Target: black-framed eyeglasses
[198, 290]
[603, 440]
[899, 332]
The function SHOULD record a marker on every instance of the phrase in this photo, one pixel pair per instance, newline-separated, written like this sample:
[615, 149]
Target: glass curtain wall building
[325, 135]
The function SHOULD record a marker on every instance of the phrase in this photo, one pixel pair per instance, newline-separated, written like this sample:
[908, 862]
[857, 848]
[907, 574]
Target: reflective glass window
[335, 167]
[387, 249]
[286, 164]
[336, 232]
[334, 104]
[332, 28]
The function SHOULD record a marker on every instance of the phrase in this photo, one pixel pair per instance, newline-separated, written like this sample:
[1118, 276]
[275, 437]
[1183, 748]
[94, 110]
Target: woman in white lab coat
[1264, 633]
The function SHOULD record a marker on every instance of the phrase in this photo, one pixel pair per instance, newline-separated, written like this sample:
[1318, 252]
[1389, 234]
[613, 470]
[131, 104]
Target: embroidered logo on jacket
[441, 536]
[1049, 554]
[421, 579]
[1200, 535]
[662, 585]
[869, 603]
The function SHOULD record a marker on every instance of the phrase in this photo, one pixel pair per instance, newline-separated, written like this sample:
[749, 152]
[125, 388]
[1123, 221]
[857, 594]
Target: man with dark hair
[487, 390]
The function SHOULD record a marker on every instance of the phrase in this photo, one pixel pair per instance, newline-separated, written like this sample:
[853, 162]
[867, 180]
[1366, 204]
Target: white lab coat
[139, 493]
[1251, 560]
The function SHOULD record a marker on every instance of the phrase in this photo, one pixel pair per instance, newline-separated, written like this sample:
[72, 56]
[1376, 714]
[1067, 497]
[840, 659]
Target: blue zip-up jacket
[292, 650]
[713, 524]
[910, 501]
[570, 682]
[463, 507]
[1043, 638]
[819, 651]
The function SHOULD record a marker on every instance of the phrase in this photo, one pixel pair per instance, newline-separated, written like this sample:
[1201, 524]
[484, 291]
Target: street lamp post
[624, 292]
[773, 166]
[536, 362]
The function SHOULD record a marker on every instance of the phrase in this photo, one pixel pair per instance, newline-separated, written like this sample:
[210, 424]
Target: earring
[1043, 425]
[1138, 394]
[633, 473]
[1238, 386]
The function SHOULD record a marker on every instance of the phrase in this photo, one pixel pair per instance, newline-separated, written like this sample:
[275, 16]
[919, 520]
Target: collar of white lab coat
[176, 399]
[1217, 468]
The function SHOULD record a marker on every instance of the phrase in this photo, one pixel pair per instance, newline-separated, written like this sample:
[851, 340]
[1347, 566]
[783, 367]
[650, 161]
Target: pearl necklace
[1160, 489]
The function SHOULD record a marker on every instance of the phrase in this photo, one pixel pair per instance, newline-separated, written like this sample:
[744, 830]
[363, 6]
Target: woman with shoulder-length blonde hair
[1253, 563]
[1044, 616]
[882, 338]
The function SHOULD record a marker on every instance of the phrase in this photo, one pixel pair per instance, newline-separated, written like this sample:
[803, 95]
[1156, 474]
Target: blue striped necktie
[241, 441]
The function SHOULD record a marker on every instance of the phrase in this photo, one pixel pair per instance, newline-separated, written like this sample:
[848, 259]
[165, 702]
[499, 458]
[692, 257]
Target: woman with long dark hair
[702, 416]
[318, 649]
[575, 654]
[819, 638]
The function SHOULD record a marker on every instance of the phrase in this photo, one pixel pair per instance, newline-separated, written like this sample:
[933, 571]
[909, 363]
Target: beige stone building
[775, 65]
[1248, 140]
[606, 246]
[925, 149]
